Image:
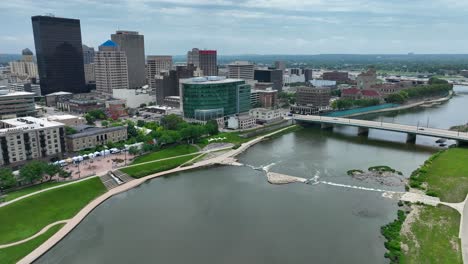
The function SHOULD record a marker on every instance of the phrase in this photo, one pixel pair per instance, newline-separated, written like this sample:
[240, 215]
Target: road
[418, 130]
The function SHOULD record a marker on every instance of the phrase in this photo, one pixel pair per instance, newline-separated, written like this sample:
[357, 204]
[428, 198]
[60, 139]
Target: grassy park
[446, 175]
[14, 254]
[22, 192]
[48, 207]
[433, 238]
[155, 167]
[166, 153]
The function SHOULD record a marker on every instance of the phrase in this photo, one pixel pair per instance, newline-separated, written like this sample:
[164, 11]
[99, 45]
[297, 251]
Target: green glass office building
[206, 98]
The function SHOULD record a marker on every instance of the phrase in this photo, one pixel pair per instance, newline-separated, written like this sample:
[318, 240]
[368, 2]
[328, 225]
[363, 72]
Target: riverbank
[73, 222]
[405, 107]
[435, 233]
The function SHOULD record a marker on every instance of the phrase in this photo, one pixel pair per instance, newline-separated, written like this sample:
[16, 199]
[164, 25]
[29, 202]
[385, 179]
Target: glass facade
[59, 54]
[232, 97]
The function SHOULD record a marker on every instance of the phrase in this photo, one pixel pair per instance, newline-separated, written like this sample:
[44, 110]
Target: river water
[232, 215]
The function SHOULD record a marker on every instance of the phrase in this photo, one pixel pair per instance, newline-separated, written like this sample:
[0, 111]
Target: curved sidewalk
[35, 235]
[72, 223]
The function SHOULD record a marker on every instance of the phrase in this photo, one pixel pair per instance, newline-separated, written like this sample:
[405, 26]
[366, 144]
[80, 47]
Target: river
[232, 215]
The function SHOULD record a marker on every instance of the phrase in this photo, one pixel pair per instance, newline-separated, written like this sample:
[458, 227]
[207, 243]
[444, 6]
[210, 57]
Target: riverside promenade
[224, 158]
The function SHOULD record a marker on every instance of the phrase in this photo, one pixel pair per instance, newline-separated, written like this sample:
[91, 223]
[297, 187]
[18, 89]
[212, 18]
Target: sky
[235, 27]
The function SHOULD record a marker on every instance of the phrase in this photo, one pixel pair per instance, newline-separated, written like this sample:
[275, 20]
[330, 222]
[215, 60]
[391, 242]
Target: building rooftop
[209, 80]
[370, 93]
[109, 43]
[27, 52]
[240, 63]
[59, 93]
[62, 117]
[6, 93]
[263, 91]
[350, 91]
[27, 123]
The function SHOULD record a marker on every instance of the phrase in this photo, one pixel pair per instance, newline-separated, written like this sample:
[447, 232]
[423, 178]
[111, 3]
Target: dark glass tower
[59, 54]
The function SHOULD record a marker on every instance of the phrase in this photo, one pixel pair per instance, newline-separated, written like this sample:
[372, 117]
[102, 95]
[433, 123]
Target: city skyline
[276, 27]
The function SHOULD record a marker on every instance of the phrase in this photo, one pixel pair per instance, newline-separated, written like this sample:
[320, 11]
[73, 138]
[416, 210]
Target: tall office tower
[27, 55]
[308, 75]
[110, 68]
[167, 84]
[193, 57]
[25, 68]
[241, 70]
[154, 66]
[270, 76]
[133, 44]
[88, 54]
[59, 54]
[208, 62]
[280, 65]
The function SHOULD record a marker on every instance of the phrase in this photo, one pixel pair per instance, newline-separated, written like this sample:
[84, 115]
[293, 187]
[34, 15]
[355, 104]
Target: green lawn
[447, 175]
[15, 253]
[26, 217]
[166, 153]
[436, 233]
[13, 195]
[157, 166]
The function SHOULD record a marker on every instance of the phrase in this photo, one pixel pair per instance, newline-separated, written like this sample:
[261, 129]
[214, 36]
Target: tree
[70, 130]
[171, 122]
[64, 174]
[104, 123]
[141, 123]
[7, 179]
[51, 170]
[134, 150]
[32, 171]
[132, 132]
[211, 127]
[142, 105]
[90, 119]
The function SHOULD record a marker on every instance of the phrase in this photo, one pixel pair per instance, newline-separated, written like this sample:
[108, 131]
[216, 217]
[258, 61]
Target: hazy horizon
[248, 27]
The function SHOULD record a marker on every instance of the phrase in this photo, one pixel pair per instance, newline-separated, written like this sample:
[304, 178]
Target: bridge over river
[364, 126]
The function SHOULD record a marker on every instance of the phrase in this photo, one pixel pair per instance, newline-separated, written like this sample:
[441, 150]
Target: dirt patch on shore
[406, 227]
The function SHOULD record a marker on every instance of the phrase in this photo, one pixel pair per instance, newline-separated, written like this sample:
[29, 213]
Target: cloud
[255, 26]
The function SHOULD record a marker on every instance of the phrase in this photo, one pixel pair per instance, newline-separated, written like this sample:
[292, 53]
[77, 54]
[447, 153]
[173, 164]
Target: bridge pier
[326, 126]
[363, 131]
[411, 138]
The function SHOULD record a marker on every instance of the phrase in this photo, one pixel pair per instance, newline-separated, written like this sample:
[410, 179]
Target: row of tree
[435, 87]
[32, 172]
[172, 129]
[350, 103]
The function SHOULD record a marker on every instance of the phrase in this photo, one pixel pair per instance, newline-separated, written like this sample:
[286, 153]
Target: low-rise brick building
[89, 137]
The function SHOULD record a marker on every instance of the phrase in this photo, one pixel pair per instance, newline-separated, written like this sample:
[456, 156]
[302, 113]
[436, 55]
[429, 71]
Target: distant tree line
[435, 87]
[351, 103]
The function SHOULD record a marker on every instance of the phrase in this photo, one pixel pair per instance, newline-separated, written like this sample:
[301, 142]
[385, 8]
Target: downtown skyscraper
[59, 54]
[205, 60]
[133, 44]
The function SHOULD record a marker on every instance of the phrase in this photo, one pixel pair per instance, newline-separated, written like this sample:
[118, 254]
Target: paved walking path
[72, 223]
[34, 236]
[464, 231]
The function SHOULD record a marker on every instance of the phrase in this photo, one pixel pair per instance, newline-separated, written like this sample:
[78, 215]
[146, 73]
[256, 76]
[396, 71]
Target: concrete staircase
[110, 182]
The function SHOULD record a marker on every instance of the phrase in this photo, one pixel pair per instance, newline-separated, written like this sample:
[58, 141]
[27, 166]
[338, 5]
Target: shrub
[236, 146]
